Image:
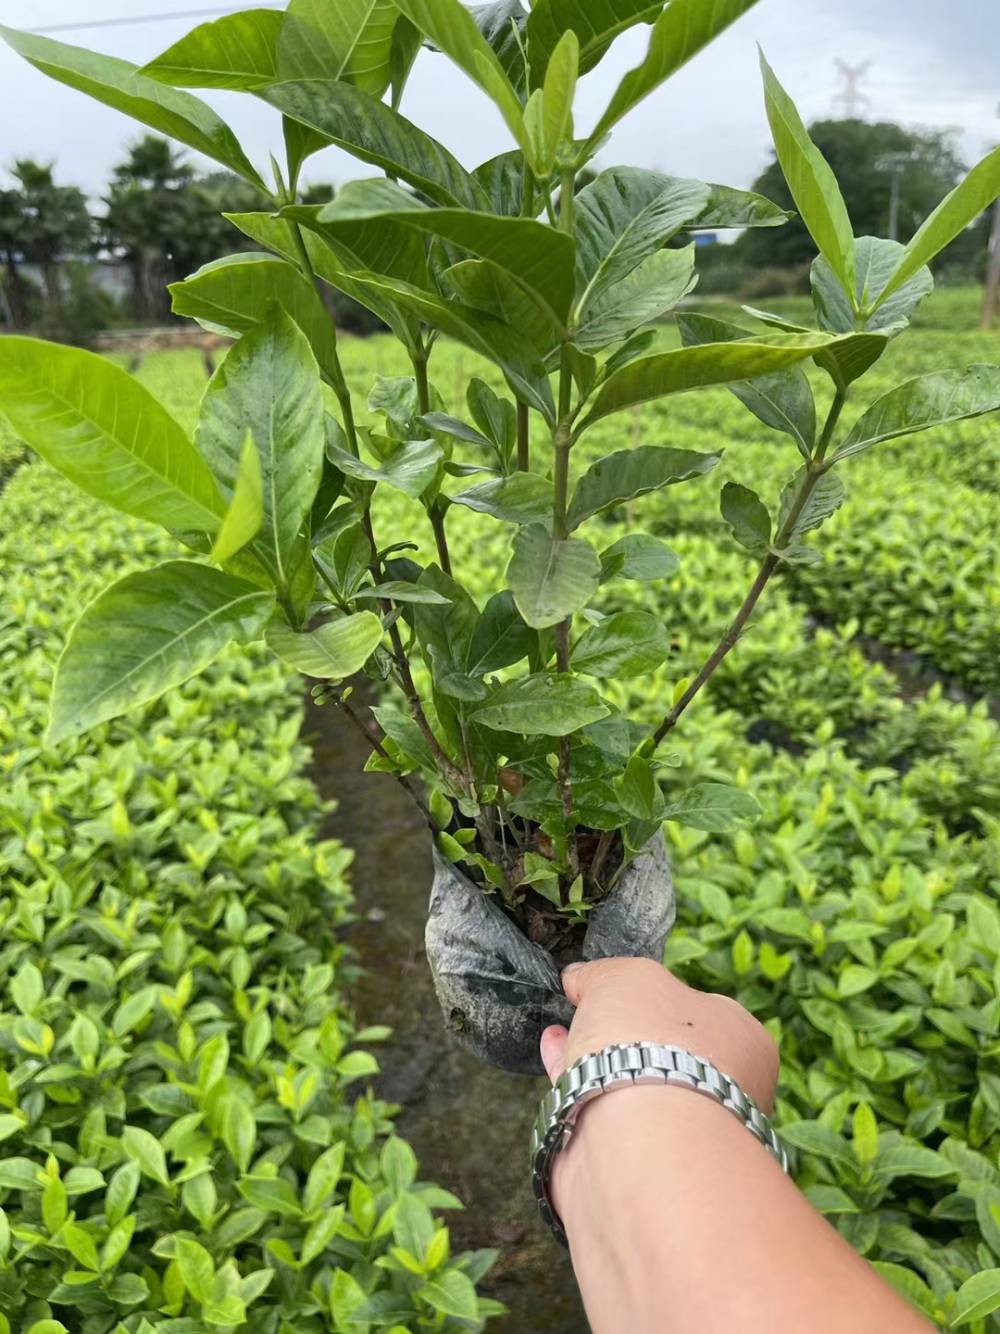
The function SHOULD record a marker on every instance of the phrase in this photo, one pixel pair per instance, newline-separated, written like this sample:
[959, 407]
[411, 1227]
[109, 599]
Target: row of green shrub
[859, 917]
[186, 1140]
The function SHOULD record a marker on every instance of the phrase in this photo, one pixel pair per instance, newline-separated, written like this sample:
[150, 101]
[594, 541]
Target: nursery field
[168, 966]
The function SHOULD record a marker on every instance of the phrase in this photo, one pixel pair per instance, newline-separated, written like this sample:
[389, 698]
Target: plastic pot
[497, 989]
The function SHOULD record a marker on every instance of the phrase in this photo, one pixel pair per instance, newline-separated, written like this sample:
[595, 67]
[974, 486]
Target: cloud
[929, 66]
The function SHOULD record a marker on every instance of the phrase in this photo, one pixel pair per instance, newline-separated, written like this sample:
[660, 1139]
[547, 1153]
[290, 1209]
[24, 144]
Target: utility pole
[852, 99]
[991, 293]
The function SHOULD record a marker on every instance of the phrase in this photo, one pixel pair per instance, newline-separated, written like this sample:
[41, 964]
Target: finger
[572, 981]
[553, 1049]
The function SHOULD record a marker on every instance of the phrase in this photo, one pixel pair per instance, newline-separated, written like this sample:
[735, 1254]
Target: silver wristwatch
[621, 1066]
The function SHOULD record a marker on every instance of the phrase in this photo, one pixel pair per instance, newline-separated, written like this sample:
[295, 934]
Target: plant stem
[562, 441]
[769, 564]
[435, 510]
[335, 370]
[375, 741]
[600, 855]
[523, 437]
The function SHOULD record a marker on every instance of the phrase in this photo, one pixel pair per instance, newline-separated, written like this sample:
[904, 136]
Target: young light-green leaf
[243, 519]
[680, 32]
[956, 211]
[811, 181]
[334, 651]
[236, 52]
[929, 400]
[120, 85]
[106, 433]
[551, 579]
[629, 473]
[269, 384]
[978, 1296]
[148, 632]
[546, 704]
[548, 116]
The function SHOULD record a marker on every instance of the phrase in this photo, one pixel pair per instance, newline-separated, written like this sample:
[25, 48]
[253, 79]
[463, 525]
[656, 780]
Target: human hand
[637, 1000]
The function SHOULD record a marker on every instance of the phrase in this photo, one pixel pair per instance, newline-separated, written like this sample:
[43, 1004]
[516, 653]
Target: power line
[851, 97]
[141, 18]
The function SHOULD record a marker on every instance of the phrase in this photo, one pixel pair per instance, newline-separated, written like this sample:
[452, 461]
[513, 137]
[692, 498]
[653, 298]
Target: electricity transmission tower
[850, 98]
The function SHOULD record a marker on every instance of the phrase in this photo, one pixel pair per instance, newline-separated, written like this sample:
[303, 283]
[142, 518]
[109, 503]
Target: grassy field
[859, 918]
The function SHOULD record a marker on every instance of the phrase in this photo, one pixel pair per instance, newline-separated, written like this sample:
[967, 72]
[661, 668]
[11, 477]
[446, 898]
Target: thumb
[553, 1049]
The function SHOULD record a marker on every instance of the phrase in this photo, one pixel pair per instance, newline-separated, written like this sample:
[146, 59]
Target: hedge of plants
[859, 918]
[186, 1142]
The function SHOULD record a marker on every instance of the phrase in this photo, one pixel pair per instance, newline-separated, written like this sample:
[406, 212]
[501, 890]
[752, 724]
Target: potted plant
[545, 802]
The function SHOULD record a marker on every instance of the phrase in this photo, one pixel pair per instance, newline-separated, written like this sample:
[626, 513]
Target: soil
[468, 1123]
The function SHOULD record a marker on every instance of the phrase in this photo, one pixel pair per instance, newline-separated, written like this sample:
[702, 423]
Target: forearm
[680, 1221]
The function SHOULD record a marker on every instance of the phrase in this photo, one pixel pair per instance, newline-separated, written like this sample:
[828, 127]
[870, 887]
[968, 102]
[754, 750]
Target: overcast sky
[930, 65]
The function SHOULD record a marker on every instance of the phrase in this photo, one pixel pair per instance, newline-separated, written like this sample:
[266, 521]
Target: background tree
[165, 221]
[860, 153]
[16, 305]
[41, 223]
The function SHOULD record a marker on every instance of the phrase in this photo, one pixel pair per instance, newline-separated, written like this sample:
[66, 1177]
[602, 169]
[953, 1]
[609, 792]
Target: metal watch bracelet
[621, 1066]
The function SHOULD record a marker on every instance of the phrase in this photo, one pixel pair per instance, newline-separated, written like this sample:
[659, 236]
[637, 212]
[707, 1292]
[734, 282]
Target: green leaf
[453, 30]
[623, 217]
[746, 515]
[907, 1284]
[911, 1160]
[269, 384]
[815, 1138]
[715, 807]
[550, 579]
[398, 590]
[876, 261]
[348, 40]
[399, 1164]
[452, 1293]
[496, 417]
[545, 704]
[812, 183]
[978, 1296]
[629, 473]
[728, 207]
[864, 1139]
[54, 1207]
[321, 1233]
[679, 33]
[196, 1267]
[596, 25]
[334, 651]
[369, 130]
[639, 791]
[411, 468]
[650, 290]
[413, 1225]
[232, 296]
[236, 52]
[501, 636]
[929, 400]
[629, 643]
[825, 499]
[784, 400]
[148, 632]
[548, 116]
[523, 497]
[239, 1130]
[245, 516]
[640, 557]
[121, 1192]
[120, 85]
[849, 357]
[106, 433]
[538, 257]
[81, 1246]
[686, 368]
[335, 266]
[145, 1150]
[956, 211]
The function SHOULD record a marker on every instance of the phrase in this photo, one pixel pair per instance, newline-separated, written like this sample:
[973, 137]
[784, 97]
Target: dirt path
[468, 1124]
